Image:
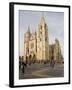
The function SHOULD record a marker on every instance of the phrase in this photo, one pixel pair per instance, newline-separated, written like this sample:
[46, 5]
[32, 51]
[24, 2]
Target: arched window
[45, 26]
[26, 58]
[40, 26]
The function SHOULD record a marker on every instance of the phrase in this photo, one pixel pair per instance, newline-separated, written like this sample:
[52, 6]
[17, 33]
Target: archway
[26, 59]
[34, 58]
[30, 58]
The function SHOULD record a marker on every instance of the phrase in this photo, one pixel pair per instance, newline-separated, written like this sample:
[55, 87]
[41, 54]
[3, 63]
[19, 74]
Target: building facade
[36, 45]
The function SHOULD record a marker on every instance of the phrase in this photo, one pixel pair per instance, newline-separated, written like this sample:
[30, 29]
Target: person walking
[23, 66]
[52, 63]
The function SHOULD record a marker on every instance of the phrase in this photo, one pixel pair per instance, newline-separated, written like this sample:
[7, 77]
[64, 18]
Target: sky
[54, 20]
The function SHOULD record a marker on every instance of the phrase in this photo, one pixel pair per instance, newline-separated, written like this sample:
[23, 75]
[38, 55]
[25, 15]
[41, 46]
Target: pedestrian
[19, 65]
[52, 63]
[23, 67]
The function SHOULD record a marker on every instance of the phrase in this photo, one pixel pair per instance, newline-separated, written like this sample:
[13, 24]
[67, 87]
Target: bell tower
[43, 41]
[26, 44]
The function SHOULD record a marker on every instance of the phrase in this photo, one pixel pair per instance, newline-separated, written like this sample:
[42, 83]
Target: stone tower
[26, 44]
[42, 41]
[59, 56]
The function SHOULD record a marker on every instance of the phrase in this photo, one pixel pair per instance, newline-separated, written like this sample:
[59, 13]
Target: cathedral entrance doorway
[30, 58]
[34, 58]
[26, 59]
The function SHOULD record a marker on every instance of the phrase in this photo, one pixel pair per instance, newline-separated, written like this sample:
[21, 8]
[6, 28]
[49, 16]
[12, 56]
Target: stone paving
[38, 70]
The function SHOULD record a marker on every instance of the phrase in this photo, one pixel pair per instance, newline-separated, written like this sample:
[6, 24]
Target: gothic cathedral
[36, 45]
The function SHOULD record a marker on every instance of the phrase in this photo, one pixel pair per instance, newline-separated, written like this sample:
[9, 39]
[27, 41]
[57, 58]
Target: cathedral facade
[36, 45]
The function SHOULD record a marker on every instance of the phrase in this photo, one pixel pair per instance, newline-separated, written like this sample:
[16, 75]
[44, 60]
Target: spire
[42, 18]
[28, 29]
[42, 14]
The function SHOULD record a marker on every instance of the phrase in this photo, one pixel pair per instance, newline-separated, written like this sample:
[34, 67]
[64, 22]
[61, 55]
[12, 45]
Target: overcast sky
[54, 20]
